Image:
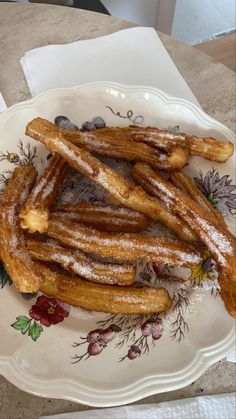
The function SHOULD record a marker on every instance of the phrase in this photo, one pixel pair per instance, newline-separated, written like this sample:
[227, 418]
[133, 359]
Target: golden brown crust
[104, 298]
[106, 142]
[81, 264]
[206, 147]
[220, 242]
[187, 185]
[14, 253]
[34, 215]
[133, 197]
[210, 148]
[123, 246]
[104, 217]
[155, 137]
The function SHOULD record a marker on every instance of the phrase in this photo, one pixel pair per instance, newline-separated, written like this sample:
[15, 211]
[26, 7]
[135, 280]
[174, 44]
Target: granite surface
[27, 26]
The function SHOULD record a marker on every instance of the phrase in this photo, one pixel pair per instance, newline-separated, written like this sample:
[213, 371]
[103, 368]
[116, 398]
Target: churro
[104, 217]
[34, 215]
[207, 147]
[81, 264]
[106, 142]
[104, 298]
[219, 241]
[14, 254]
[187, 185]
[124, 246]
[133, 197]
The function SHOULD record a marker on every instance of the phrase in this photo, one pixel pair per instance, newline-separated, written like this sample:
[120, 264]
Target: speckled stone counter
[27, 26]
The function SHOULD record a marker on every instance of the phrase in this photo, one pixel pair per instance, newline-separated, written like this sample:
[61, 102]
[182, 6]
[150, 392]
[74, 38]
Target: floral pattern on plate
[219, 191]
[45, 312]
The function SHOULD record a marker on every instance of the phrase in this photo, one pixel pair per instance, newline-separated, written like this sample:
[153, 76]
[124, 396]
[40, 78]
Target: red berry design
[94, 336]
[157, 330]
[109, 333]
[153, 328]
[95, 349]
[98, 339]
[133, 352]
[146, 328]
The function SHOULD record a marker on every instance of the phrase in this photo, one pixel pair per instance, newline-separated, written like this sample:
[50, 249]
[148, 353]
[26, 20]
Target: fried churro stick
[129, 195]
[34, 215]
[104, 298]
[207, 147]
[81, 264]
[106, 142]
[187, 185]
[124, 246]
[104, 217]
[219, 241]
[14, 254]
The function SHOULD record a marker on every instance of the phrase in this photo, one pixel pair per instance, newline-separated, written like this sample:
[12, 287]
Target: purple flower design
[219, 191]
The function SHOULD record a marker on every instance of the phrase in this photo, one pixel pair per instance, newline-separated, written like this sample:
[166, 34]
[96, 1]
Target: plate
[95, 358]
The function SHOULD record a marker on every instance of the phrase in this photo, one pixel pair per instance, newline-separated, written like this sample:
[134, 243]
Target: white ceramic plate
[130, 356]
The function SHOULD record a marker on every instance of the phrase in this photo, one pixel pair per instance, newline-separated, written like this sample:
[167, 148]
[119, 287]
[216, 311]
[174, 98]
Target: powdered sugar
[67, 151]
[38, 188]
[13, 243]
[163, 157]
[217, 240]
[48, 189]
[124, 246]
[48, 182]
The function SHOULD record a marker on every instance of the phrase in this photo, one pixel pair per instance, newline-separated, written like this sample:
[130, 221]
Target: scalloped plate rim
[129, 89]
[147, 386]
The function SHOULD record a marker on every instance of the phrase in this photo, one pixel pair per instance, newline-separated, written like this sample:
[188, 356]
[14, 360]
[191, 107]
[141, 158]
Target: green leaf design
[22, 323]
[35, 331]
[4, 277]
[174, 128]
[212, 199]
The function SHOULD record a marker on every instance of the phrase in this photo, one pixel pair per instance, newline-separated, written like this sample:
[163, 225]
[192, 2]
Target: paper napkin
[220, 406]
[3, 105]
[131, 56]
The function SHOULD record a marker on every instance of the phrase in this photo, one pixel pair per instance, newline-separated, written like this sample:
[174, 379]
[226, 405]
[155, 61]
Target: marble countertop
[27, 26]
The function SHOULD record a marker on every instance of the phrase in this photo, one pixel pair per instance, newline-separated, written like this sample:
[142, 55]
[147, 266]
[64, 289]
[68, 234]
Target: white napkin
[3, 105]
[232, 357]
[220, 406]
[131, 56]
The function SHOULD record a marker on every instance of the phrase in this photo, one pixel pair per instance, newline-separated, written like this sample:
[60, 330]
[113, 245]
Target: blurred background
[208, 24]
